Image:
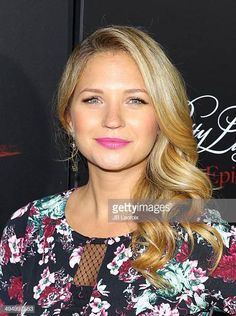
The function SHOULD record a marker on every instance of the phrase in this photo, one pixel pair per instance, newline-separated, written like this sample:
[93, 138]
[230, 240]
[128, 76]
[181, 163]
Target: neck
[105, 185]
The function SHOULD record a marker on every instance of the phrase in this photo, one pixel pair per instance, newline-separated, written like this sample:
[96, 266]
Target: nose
[113, 117]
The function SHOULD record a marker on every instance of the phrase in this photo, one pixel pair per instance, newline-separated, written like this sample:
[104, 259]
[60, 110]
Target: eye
[137, 101]
[91, 100]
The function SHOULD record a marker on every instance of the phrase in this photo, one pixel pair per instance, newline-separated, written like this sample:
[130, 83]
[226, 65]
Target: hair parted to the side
[171, 171]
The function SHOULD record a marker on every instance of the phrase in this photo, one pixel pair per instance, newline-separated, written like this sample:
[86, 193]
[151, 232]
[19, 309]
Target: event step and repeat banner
[35, 41]
[200, 39]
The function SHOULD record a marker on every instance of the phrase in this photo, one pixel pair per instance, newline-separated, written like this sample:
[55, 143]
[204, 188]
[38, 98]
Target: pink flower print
[1, 305]
[76, 256]
[50, 226]
[33, 211]
[120, 249]
[165, 310]
[19, 212]
[112, 240]
[46, 221]
[230, 305]
[122, 254]
[198, 278]
[130, 305]
[96, 293]
[113, 267]
[5, 253]
[227, 266]
[17, 247]
[124, 269]
[184, 252]
[65, 293]
[47, 279]
[197, 274]
[102, 288]
[185, 297]
[127, 273]
[15, 289]
[29, 230]
[233, 233]
[99, 306]
[49, 296]
[49, 231]
[232, 248]
[103, 312]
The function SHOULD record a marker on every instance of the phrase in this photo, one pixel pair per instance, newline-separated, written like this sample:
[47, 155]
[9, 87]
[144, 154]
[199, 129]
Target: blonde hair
[171, 171]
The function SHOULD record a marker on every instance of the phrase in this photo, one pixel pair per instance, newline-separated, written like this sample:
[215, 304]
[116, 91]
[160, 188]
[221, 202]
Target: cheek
[82, 122]
[148, 128]
[152, 125]
[154, 128]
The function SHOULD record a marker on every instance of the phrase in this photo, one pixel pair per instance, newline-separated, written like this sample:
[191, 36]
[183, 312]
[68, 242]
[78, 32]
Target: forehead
[110, 65]
[108, 57]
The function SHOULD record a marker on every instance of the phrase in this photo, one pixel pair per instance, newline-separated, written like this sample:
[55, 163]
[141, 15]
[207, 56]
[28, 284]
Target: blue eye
[137, 101]
[91, 100]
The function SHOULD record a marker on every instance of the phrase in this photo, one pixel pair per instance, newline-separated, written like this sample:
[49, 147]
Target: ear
[70, 128]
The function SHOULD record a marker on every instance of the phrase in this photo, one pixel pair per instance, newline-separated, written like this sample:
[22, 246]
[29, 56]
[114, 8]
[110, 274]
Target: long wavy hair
[171, 172]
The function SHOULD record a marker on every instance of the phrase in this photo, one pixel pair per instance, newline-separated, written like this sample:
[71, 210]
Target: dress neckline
[88, 239]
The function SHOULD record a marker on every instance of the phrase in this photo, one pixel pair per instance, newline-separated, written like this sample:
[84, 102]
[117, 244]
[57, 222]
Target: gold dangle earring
[74, 160]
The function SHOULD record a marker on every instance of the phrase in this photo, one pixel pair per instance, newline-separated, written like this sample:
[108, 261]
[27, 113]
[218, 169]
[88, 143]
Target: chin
[111, 166]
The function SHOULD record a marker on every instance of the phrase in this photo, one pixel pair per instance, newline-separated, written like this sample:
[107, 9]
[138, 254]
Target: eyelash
[88, 100]
[140, 101]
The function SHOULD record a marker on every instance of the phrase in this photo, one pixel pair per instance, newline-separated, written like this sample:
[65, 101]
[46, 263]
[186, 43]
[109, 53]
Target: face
[111, 115]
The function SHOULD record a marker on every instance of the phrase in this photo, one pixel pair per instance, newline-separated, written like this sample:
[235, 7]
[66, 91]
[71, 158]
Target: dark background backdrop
[36, 38]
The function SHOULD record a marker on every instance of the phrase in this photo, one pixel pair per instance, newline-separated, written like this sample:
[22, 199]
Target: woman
[124, 106]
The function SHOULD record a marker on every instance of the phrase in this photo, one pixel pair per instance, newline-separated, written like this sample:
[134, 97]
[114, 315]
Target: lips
[112, 143]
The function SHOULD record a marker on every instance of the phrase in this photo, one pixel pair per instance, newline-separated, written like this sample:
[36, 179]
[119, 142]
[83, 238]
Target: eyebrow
[126, 91]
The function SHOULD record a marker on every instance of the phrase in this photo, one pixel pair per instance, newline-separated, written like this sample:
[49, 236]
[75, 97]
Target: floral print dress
[41, 255]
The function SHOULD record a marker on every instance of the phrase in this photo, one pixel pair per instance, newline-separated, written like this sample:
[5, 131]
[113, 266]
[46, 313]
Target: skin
[110, 100]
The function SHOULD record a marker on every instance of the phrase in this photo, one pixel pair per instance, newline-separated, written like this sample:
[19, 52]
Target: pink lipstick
[112, 143]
